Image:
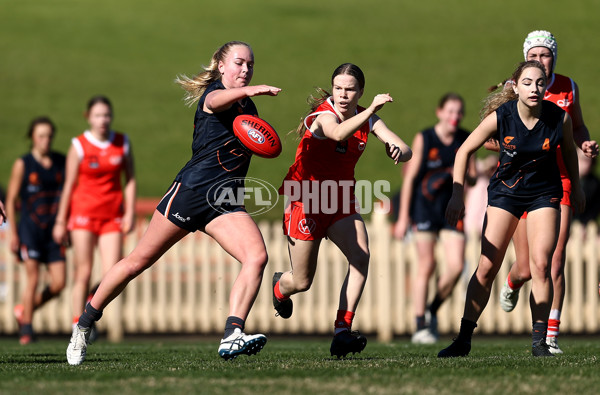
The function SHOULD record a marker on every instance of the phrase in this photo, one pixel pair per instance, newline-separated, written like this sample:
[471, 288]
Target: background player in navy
[35, 183]
[426, 191]
[222, 92]
[529, 130]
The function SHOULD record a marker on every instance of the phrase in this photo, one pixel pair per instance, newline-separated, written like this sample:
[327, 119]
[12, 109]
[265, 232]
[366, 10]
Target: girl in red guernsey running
[94, 209]
[321, 202]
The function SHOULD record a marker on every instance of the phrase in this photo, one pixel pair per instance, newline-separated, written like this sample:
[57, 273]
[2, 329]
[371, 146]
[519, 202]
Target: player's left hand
[393, 152]
[127, 223]
[379, 100]
[590, 148]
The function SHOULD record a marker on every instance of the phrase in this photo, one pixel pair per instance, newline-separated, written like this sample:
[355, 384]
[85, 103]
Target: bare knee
[486, 273]
[425, 270]
[256, 262]
[56, 286]
[132, 267]
[540, 268]
[83, 272]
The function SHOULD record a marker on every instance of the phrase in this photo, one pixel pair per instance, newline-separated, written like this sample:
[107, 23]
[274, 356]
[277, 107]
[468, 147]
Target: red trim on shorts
[168, 208]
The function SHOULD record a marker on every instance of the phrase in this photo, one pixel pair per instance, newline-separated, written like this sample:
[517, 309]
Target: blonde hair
[495, 100]
[196, 85]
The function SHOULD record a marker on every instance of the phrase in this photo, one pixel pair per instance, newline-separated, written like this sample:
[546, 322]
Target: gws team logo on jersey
[256, 196]
[34, 178]
[34, 184]
[433, 158]
[256, 136]
[506, 143]
[307, 226]
[361, 146]
[180, 218]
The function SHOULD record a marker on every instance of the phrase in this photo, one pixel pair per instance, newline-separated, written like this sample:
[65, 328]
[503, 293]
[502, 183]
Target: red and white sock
[553, 323]
[343, 322]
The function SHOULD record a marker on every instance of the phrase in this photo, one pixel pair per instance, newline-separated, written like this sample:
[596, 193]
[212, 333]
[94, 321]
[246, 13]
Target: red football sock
[343, 321]
[280, 297]
[514, 286]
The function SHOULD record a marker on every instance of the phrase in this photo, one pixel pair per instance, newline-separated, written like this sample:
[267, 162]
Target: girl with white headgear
[541, 45]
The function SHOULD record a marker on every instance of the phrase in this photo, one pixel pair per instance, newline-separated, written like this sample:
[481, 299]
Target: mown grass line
[496, 365]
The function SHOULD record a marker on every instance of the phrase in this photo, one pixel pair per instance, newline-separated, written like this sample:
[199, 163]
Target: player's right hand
[455, 210]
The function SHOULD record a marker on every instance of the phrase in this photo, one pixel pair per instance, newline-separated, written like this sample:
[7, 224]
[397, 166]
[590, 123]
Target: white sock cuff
[554, 314]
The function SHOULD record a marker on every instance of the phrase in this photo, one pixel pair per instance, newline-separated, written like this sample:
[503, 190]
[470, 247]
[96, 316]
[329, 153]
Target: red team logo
[306, 226]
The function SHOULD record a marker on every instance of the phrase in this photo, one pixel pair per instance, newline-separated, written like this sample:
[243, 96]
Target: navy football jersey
[527, 164]
[433, 183]
[216, 153]
[39, 195]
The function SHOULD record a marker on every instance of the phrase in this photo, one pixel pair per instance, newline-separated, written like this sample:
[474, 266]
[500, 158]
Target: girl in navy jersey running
[527, 179]
[541, 45]
[426, 190]
[223, 92]
[36, 182]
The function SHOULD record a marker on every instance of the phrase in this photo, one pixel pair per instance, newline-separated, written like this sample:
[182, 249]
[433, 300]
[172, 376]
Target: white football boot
[239, 343]
[78, 345]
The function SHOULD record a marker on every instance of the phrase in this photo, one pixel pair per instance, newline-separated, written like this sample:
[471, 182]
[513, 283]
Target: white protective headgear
[541, 38]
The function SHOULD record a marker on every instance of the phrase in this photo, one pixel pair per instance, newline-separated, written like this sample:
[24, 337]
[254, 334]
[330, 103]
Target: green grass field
[286, 366]
[56, 55]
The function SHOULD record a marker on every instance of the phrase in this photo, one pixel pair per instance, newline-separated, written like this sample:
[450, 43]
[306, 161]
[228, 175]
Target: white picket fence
[187, 290]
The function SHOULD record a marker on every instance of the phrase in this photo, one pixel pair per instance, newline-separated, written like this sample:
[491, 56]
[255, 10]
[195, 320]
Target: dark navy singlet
[527, 164]
[39, 195]
[217, 154]
[433, 184]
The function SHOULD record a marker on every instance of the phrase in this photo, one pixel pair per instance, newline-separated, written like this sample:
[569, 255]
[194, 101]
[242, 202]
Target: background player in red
[95, 210]
[223, 92]
[35, 184]
[426, 190]
[334, 135]
[527, 180]
[541, 45]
